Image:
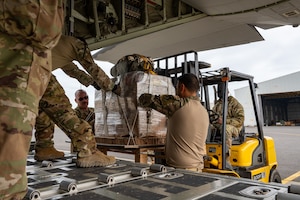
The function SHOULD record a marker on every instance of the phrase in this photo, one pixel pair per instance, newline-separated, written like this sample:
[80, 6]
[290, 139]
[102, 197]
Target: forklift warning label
[259, 176]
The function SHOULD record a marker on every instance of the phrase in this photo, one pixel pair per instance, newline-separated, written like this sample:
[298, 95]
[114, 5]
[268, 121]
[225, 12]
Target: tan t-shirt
[187, 132]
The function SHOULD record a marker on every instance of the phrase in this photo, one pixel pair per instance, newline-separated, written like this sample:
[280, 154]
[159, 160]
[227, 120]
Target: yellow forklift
[252, 155]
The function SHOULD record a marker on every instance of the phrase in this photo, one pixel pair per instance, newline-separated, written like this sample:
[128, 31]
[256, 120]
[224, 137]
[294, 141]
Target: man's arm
[236, 116]
[85, 58]
[73, 71]
[165, 104]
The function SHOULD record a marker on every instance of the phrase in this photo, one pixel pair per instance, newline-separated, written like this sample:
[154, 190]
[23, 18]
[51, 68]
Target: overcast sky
[276, 56]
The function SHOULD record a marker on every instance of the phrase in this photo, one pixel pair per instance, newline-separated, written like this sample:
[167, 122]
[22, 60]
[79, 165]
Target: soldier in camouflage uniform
[57, 107]
[82, 110]
[44, 127]
[187, 123]
[234, 120]
[28, 31]
[130, 63]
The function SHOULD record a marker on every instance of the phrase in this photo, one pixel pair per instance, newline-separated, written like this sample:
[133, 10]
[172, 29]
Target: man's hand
[117, 89]
[220, 120]
[96, 86]
[145, 100]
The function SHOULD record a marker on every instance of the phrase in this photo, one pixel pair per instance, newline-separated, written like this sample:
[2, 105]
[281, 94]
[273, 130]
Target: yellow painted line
[291, 178]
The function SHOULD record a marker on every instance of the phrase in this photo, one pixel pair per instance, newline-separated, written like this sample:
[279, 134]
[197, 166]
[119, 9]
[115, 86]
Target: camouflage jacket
[73, 71]
[71, 49]
[166, 104]
[235, 115]
[87, 115]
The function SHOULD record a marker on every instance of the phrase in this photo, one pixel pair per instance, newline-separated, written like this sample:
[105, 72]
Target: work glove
[96, 86]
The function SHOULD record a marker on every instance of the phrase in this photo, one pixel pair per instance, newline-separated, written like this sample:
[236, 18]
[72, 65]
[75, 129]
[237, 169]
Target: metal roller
[46, 163]
[295, 189]
[138, 172]
[69, 186]
[33, 194]
[106, 178]
[258, 192]
[158, 168]
[287, 196]
[169, 176]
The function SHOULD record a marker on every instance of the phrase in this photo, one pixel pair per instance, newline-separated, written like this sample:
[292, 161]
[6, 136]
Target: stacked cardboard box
[119, 117]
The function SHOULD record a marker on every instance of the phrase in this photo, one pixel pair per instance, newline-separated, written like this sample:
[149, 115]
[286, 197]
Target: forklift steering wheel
[213, 116]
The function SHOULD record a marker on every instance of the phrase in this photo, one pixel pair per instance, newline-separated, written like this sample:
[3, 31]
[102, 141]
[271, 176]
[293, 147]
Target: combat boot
[96, 159]
[47, 153]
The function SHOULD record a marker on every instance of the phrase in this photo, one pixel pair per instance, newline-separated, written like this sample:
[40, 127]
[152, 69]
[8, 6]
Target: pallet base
[141, 148]
[131, 140]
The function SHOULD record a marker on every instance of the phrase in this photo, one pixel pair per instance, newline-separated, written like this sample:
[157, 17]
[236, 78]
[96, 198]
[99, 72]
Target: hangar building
[279, 101]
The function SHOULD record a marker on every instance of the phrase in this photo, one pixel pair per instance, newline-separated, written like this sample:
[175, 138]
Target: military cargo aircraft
[159, 28]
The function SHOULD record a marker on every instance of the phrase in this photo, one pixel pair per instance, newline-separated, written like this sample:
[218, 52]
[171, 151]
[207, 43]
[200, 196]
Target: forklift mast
[179, 64]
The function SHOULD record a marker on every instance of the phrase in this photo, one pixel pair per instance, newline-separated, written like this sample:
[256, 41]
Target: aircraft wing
[182, 38]
[159, 28]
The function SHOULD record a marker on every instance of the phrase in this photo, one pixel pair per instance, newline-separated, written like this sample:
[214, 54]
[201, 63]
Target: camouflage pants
[28, 30]
[23, 79]
[44, 130]
[58, 108]
[231, 131]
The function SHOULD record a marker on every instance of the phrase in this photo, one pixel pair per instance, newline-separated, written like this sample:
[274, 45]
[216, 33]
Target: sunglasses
[81, 98]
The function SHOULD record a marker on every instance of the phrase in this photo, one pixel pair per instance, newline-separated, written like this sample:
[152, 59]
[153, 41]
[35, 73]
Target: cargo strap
[131, 137]
[105, 113]
[89, 116]
[130, 128]
[149, 110]
[148, 65]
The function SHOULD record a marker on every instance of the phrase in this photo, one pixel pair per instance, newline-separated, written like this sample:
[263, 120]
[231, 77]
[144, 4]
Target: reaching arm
[73, 71]
[166, 104]
[85, 58]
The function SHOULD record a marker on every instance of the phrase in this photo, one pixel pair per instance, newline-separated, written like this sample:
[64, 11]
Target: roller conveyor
[61, 179]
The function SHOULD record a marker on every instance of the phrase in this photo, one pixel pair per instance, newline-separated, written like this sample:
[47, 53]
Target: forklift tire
[275, 176]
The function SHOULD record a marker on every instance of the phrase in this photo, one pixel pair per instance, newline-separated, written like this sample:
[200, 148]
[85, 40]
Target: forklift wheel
[275, 176]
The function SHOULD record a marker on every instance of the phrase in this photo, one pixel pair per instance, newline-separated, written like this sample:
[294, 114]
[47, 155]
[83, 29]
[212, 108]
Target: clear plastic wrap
[120, 116]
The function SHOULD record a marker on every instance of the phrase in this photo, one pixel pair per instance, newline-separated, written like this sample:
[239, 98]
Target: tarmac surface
[287, 144]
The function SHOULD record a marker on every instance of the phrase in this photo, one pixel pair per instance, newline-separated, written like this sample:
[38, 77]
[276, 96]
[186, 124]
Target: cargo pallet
[141, 148]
